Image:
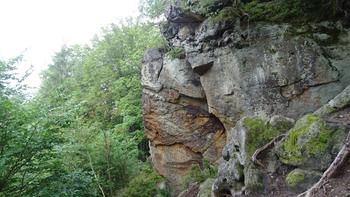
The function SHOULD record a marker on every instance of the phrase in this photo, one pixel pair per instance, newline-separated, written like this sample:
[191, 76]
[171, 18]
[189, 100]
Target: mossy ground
[295, 153]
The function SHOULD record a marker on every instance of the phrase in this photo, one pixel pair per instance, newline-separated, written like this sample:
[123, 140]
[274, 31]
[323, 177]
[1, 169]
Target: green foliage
[258, 10]
[96, 93]
[199, 175]
[82, 135]
[144, 185]
[287, 11]
[154, 8]
[227, 14]
[27, 139]
[63, 183]
[8, 76]
[205, 7]
[177, 53]
[294, 178]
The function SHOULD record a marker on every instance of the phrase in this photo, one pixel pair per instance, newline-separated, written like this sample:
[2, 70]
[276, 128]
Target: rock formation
[236, 87]
[181, 130]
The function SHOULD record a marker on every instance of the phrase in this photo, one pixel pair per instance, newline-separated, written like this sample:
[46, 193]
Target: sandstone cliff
[230, 86]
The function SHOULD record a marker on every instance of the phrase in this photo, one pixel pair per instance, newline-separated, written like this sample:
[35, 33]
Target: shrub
[199, 175]
[143, 185]
[177, 53]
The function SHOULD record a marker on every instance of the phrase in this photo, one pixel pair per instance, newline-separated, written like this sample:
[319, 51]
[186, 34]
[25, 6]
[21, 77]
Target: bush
[177, 53]
[199, 175]
[144, 185]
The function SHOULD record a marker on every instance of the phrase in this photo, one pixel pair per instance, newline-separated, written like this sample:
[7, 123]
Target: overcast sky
[41, 27]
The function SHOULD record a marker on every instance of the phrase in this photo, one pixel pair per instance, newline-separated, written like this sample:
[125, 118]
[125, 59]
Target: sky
[39, 28]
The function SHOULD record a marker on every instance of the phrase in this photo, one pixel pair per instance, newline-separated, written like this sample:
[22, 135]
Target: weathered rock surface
[238, 88]
[154, 60]
[236, 170]
[273, 76]
[205, 189]
[181, 130]
[191, 191]
[177, 74]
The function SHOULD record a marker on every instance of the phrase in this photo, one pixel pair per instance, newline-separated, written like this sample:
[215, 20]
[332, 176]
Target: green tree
[95, 93]
[27, 140]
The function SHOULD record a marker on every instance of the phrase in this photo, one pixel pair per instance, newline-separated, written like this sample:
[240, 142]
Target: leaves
[82, 135]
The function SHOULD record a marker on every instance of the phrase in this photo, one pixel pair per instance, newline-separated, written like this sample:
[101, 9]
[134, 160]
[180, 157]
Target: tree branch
[95, 175]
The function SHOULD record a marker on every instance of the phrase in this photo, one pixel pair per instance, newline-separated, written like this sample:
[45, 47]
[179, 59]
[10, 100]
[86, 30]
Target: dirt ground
[338, 186]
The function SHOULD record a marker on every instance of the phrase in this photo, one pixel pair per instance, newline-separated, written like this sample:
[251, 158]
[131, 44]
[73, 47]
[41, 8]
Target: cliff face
[177, 122]
[228, 87]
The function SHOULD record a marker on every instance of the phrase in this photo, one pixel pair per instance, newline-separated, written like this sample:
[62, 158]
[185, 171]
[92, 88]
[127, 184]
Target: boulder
[309, 144]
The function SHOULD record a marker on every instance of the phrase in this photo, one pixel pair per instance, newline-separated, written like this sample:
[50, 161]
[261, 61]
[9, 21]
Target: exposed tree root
[269, 145]
[338, 162]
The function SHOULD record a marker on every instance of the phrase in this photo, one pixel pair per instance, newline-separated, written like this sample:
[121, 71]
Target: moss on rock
[259, 133]
[291, 10]
[310, 138]
[227, 14]
[295, 178]
[208, 7]
[302, 179]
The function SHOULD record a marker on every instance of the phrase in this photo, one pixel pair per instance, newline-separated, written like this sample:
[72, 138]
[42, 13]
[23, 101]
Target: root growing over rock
[269, 145]
[338, 162]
